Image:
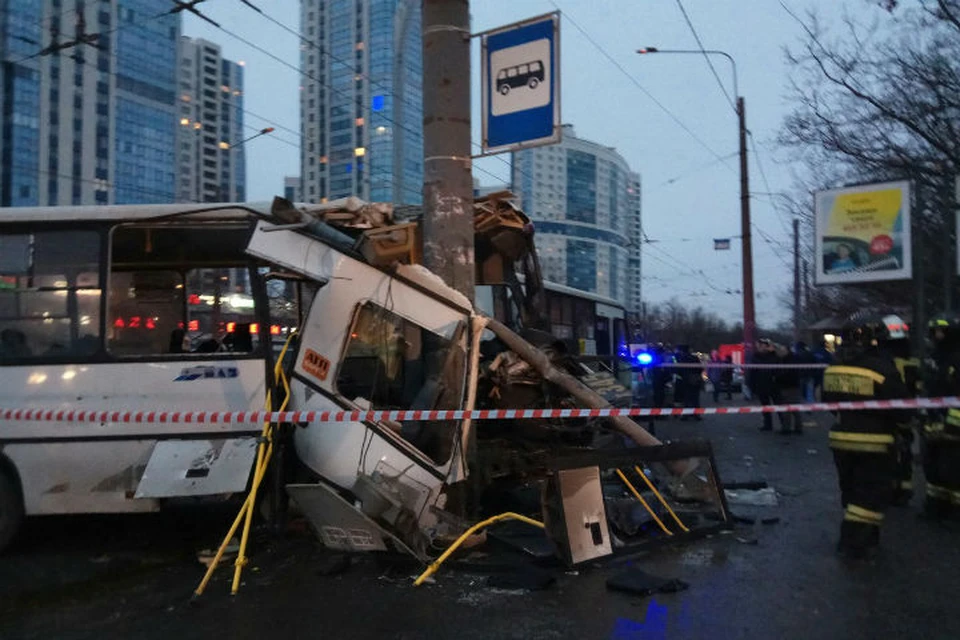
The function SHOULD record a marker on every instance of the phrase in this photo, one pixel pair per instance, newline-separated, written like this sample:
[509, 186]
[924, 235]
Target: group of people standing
[776, 378]
[872, 449]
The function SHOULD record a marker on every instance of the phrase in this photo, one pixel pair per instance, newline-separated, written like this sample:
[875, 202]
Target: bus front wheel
[532, 83]
[504, 89]
[11, 508]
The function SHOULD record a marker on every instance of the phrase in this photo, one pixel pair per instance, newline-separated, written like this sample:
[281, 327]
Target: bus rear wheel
[504, 89]
[11, 509]
[532, 83]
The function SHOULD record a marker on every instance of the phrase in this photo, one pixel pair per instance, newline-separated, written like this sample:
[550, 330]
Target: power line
[698, 169]
[87, 37]
[643, 89]
[310, 76]
[766, 183]
[713, 69]
[341, 61]
[110, 185]
[482, 170]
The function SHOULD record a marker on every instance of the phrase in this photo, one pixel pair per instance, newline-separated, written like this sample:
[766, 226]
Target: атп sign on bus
[520, 84]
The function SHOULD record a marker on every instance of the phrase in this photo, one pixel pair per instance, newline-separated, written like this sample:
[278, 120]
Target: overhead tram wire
[766, 184]
[351, 66]
[387, 119]
[713, 69]
[373, 82]
[147, 192]
[120, 25]
[637, 84]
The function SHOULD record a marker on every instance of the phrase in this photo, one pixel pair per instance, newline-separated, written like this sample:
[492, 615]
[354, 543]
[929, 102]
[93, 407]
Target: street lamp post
[262, 132]
[749, 312]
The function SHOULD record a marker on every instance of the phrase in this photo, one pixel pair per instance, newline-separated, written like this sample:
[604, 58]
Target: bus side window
[49, 294]
[166, 298]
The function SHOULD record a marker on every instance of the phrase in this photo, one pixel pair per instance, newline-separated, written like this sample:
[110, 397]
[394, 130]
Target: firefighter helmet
[944, 328]
[870, 328]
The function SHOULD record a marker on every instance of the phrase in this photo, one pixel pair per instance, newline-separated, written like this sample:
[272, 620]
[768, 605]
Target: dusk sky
[689, 197]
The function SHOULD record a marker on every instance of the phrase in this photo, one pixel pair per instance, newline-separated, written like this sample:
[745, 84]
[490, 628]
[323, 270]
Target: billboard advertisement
[863, 233]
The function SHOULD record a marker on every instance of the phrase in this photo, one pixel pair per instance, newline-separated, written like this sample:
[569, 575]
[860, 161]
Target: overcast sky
[689, 197]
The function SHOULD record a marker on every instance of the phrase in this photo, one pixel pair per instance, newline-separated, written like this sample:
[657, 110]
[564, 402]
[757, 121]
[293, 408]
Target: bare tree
[880, 100]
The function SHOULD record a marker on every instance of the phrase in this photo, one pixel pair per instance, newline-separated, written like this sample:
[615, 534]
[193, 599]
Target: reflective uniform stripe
[855, 381]
[861, 442]
[860, 447]
[906, 485]
[942, 493]
[933, 427]
[860, 514]
[936, 431]
[853, 436]
[849, 517]
[858, 372]
[953, 418]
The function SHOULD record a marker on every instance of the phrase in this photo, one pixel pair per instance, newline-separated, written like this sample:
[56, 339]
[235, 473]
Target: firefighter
[863, 442]
[909, 369]
[941, 430]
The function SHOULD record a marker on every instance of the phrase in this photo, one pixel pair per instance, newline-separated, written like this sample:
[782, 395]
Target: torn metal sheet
[197, 468]
[339, 524]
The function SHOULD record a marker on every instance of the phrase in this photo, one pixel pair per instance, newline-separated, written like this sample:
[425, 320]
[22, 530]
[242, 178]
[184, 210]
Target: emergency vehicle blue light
[376, 103]
[644, 358]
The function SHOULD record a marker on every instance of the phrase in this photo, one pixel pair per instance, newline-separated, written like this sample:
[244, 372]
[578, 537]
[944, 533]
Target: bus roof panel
[580, 293]
[134, 213]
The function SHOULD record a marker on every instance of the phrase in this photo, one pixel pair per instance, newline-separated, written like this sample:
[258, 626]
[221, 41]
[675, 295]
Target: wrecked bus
[376, 331]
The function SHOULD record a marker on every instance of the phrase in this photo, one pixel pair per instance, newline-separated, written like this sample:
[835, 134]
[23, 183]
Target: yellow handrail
[660, 497]
[264, 452]
[466, 534]
[646, 506]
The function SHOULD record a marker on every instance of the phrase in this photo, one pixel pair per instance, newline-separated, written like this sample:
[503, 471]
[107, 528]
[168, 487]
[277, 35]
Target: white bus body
[91, 299]
[374, 337]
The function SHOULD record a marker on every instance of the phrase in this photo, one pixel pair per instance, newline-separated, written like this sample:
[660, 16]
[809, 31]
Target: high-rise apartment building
[87, 124]
[292, 189]
[210, 158]
[361, 100]
[585, 204]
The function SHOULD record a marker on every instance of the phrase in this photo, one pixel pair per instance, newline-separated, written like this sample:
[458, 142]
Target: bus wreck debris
[407, 347]
[217, 288]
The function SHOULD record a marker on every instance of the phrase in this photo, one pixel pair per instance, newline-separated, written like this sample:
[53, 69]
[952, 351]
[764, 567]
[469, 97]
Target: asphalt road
[132, 576]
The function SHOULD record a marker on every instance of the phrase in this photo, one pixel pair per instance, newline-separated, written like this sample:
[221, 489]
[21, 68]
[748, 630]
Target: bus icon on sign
[529, 74]
[520, 77]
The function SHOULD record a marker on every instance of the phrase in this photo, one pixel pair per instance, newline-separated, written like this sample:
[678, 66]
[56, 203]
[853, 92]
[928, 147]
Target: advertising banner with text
[863, 233]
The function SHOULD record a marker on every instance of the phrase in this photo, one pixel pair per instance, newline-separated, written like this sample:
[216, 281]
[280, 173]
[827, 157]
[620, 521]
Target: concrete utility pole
[447, 175]
[796, 279]
[749, 312]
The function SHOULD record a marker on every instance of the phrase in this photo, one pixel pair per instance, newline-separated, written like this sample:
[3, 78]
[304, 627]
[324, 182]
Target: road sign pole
[447, 173]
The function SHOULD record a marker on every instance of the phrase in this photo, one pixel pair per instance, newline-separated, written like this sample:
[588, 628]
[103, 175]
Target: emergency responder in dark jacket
[863, 442]
[909, 368]
[941, 429]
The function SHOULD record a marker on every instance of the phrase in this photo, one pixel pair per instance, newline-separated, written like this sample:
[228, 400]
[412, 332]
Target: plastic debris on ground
[637, 582]
[766, 497]
[206, 556]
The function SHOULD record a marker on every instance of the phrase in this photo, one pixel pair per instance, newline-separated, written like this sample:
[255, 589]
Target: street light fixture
[749, 312]
[244, 141]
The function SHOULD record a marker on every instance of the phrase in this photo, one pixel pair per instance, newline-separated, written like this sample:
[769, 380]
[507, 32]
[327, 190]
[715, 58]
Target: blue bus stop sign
[520, 84]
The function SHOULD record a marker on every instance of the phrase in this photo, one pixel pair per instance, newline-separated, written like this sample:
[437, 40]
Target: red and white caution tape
[728, 365]
[259, 417]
